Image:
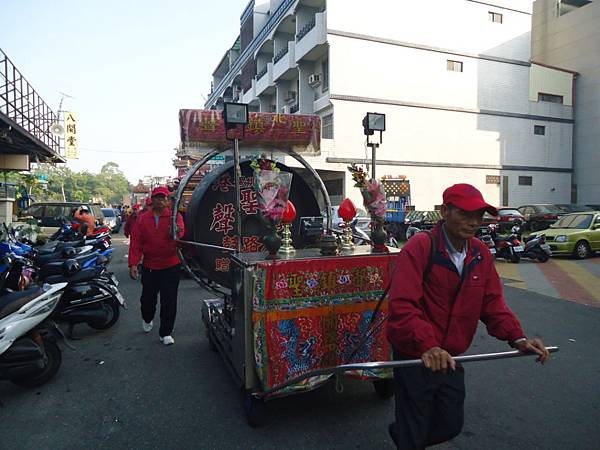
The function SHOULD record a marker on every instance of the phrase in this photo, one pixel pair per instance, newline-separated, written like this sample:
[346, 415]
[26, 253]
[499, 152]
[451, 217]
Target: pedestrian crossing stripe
[582, 276]
[566, 279]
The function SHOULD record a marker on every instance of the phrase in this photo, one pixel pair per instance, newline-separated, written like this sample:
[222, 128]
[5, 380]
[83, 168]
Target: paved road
[121, 389]
[561, 277]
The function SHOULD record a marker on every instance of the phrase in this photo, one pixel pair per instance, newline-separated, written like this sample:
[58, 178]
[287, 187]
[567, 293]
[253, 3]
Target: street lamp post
[235, 114]
[373, 122]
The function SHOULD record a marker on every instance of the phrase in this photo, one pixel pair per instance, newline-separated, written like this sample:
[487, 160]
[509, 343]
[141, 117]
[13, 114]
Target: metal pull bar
[392, 364]
[200, 244]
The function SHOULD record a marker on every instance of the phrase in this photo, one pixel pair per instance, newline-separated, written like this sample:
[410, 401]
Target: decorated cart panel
[311, 313]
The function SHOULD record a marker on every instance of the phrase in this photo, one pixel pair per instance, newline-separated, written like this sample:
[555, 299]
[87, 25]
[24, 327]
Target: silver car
[111, 220]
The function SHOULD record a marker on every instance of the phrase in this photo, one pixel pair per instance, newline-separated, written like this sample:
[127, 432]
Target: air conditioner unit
[290, 97]
[286, 109]
[314, 80]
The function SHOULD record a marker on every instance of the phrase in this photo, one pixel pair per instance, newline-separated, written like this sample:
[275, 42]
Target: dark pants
[165, 281]
[429, 406]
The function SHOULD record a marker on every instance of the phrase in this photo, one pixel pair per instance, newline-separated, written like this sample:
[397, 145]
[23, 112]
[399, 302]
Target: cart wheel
[384, 388]
[255, 410]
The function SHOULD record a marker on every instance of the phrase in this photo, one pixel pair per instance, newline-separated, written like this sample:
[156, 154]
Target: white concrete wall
[433, 136]
[546, 188]
[392, 72]
[426, 135]
[572, 41]
[550, 81]
[455, 24]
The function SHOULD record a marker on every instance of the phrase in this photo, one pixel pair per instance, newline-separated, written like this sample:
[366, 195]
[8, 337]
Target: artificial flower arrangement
[372, 191]
[272, 191]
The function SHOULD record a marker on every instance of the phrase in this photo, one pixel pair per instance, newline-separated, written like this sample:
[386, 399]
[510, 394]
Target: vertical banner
[71, 150]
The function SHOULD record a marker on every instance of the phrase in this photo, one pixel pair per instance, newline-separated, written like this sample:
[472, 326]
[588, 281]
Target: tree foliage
[62, 184]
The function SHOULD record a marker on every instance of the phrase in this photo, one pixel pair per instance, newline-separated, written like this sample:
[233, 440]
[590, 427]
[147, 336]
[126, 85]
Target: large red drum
[211, 215]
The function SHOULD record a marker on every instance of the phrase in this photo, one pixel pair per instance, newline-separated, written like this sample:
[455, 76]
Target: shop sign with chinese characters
[206, 128]
[71, 147]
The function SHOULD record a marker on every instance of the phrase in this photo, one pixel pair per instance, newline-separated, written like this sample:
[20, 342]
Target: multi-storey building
[463, 102]
[566, 33]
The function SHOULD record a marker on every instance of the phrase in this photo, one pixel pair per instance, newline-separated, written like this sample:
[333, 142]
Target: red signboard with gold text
[206, 128]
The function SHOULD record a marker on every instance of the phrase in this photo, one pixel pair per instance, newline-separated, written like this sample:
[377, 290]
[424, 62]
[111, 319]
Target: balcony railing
[22, 104]
[248, 52]
[305, 29]
[280, 54]
[261, 73]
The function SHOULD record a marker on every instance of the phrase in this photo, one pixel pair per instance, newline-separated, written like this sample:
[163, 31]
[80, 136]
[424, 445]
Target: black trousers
[429, 406]
[165, 282]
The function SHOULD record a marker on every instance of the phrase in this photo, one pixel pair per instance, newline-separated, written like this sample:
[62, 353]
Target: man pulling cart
[287, 321]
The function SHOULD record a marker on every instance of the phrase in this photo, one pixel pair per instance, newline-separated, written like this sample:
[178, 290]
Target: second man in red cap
[152, 244]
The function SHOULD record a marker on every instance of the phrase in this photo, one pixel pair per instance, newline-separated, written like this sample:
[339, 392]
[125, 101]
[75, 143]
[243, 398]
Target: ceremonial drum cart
[283, 324]
[284, 321]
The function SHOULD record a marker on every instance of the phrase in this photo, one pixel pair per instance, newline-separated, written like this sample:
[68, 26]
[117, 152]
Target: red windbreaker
[152, 243]
[130, 224]
[443, 310]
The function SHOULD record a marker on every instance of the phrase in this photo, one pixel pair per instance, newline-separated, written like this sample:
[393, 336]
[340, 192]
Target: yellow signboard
[71, 150]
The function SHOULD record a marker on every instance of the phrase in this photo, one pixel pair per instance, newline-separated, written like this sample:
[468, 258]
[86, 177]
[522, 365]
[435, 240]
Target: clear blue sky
[131, 65]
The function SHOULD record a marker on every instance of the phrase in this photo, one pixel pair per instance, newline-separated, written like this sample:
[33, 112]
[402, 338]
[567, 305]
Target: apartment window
[495, 17]
[327, 127]
[525, 181]
[454, 66]
[540, 130]
[325, 69]
[550, 98]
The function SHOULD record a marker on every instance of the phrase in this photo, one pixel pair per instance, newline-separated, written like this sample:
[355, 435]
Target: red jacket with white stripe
[443, 310]
[151, 242]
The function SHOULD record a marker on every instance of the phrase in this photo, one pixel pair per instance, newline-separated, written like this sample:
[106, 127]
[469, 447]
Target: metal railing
[21, 103]
[280, 54]
[249, 51]
[306, 29]
[261, 73]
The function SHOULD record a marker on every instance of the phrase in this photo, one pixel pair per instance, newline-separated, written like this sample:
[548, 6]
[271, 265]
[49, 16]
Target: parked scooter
[29, 355]
[91, 296]
[509, 247]
[487, 240]
[535, 247]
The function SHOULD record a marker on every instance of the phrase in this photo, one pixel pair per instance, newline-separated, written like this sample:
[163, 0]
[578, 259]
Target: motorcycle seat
[9, 303]
[83, 275]
[51, 268]
[50, 247]
[77, 243]
[45, 258]
[48, 263]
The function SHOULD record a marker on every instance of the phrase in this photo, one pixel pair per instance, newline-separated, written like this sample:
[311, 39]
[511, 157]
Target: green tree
[62, 184]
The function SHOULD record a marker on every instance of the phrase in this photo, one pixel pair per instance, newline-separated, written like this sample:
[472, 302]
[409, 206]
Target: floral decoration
[372, 192]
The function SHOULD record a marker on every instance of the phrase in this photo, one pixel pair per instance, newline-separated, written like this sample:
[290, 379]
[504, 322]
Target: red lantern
[290, 213]
[347, 210]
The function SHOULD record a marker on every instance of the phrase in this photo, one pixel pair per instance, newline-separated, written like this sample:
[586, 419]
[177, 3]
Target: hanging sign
[71, 147]
[206, 128]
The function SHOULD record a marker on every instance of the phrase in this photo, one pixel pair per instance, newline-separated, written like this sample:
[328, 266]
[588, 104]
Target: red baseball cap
[160, 190]
[468, 198]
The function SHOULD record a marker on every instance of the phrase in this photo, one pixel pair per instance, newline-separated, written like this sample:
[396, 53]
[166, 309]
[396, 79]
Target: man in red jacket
[131, 220]
[152, 244]
[444, 283]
